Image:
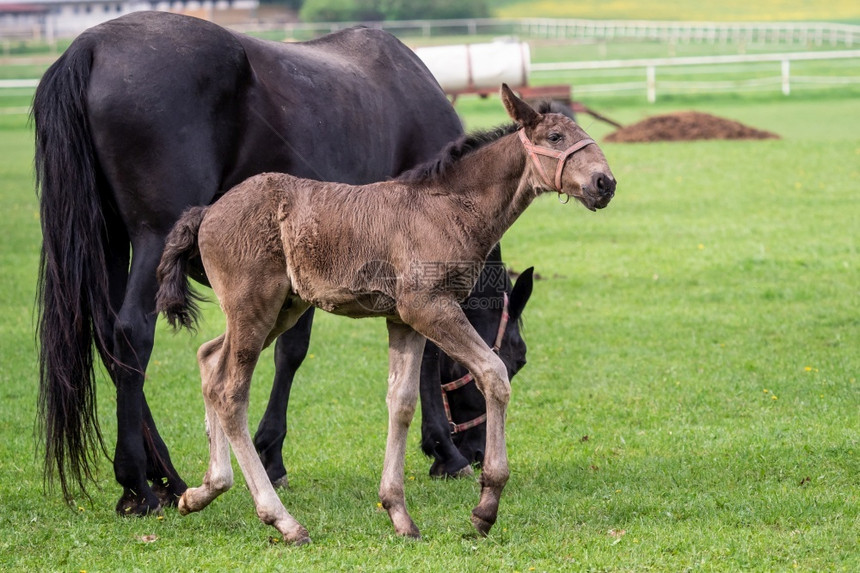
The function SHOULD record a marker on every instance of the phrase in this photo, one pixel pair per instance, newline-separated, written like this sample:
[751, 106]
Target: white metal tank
[467, 67]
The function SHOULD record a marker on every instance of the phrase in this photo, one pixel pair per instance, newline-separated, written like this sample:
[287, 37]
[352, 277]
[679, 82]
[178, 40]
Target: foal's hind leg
[447, 326]
[227, 365]
[219, 474]
[227, 391]
[405, 347]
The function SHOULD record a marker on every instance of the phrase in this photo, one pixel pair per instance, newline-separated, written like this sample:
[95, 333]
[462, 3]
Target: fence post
[651, 83]
[786, 77]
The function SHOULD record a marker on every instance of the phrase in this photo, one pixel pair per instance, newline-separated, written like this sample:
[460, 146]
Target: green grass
[702, 332]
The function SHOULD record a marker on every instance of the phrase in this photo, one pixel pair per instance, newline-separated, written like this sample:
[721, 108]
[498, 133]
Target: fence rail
[681, 31]
[650, 65]
[744, 33]
[750, 33]
[10, 84]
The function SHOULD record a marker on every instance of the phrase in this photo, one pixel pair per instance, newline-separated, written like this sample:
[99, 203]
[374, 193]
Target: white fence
[650, 85]
[742, 33]
[654, 71]
[811, 34]
[747, 33]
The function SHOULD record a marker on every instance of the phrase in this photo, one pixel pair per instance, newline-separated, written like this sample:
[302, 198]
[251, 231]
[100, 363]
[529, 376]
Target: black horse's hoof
[440, 470]
[168, 494]
[132, 505]
[281, 482]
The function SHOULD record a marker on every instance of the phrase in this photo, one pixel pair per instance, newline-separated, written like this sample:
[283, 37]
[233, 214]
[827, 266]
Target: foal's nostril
[604, 184]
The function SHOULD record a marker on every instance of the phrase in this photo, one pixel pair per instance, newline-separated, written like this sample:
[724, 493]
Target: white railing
[811, 34]
[743, 33]
[650, 66]
[8, 84]
[649, 84]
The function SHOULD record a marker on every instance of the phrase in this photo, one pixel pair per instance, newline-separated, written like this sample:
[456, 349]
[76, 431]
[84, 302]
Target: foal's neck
[492, 180]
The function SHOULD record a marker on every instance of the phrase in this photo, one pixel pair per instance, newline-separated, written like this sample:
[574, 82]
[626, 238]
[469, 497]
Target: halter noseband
[462, 381]
[561, 156]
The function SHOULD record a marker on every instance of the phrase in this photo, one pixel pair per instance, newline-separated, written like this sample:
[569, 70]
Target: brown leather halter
[561, 156]
[462, 381]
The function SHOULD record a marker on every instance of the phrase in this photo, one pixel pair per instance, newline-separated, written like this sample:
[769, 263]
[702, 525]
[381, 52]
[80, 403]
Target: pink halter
[561, 156]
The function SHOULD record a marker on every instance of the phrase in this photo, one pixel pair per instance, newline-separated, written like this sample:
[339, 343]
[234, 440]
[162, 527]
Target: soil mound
[686, 126]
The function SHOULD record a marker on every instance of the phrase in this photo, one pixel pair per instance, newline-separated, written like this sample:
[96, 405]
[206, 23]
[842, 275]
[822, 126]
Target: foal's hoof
[299, 538]
[182, 506]
[413, 535]
[403, 524]
[408, 530]
[482, 525]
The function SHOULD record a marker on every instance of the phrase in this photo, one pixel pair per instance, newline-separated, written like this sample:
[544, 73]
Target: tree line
[376, 10]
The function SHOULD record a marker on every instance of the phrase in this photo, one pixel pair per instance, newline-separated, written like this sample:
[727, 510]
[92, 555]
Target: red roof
[22, 8]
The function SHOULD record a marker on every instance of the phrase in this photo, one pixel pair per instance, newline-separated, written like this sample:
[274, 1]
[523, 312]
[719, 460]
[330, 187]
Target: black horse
[146, 115]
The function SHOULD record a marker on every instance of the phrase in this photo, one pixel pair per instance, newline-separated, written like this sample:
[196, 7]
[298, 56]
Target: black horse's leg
[166, 483]
[435, 428]
[134, 333]
[290, 351]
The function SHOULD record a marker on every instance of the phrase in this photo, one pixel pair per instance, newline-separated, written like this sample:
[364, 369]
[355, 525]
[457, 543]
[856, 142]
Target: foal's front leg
[405, 348]
[447, 326]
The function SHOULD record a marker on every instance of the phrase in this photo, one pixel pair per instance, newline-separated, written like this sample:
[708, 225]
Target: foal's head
[563, 157]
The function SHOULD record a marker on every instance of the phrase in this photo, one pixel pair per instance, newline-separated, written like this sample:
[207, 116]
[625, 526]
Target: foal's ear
[520, 111]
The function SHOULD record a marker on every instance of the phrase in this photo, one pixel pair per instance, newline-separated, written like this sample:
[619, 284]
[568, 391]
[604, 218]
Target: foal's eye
[555, 137]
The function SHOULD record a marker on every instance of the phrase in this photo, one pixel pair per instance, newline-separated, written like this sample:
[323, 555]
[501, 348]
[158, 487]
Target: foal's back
[347, 249]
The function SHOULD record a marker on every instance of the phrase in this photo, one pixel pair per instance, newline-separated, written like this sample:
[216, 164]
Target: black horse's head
[494, 308]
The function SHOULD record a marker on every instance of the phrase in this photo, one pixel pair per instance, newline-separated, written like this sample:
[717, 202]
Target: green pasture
[690, 402]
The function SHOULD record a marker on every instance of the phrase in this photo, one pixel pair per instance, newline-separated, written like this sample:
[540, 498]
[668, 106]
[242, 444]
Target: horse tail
[73, 301]
[175, 299]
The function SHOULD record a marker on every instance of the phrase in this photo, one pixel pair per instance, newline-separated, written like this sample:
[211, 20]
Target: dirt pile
[686, 126]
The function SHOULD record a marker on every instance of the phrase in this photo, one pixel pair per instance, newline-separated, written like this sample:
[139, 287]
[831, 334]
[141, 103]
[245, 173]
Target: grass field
[690, 402]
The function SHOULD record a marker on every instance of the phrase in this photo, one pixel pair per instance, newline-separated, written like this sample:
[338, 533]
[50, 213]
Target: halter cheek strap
[560, 156]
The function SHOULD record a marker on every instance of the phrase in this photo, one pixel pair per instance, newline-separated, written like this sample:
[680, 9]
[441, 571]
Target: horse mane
[434, 169]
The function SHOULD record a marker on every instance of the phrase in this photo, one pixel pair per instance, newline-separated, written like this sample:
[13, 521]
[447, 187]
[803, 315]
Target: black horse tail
[175, 299]
[73, 302]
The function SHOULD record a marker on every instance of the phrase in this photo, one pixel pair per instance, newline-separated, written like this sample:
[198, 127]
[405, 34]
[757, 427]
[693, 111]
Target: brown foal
[274, 245]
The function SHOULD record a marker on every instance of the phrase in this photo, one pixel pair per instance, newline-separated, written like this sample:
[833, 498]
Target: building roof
[22, 8]
[39, 4]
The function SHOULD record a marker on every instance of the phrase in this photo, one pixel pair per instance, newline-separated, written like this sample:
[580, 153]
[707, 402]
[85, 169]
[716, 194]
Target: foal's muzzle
[604, 185]
[598, 194]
